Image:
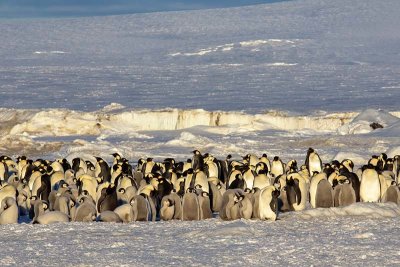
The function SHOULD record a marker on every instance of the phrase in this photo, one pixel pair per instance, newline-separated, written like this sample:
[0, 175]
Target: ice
[361, 124]
[370, 210]
[276, 79]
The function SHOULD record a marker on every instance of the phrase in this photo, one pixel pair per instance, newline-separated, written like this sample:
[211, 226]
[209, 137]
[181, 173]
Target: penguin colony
[250, 188]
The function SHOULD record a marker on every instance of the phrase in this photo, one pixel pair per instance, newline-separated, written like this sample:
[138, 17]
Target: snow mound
[356, 158]
[370, 210]
[361, 124]
[393, 151]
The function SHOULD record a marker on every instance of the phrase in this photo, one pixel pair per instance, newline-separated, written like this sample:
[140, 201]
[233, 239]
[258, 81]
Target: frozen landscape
[274, 78]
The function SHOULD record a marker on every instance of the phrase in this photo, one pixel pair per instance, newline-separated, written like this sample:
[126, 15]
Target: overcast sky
[74, 8]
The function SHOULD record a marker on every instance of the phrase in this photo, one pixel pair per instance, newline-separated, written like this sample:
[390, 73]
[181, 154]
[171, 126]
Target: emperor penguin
[109, 216]
[174, 201]
[396, 168]
[8, 211]
[291, 166]
[22, 203]
[320, 191]
[86, 211]
[89, 184]
[232, 208]
[313, 162]
[348, 164]
[3, 171]
[245, 207]
[392, 194]
[237, 183]
[167, 210]
[265, 205]
[215, 197]
[141, 208]
[248, 177]
[370, 187]
[229, 200]
[204, 205]
[79, 163]
[108, 199]
[343, 193]
[297, 191]
[43, 217]
[264, 158]
[102, 170]
[190, 206]
[277, 167]
[197, 161]
[261, 180]
[125, 213]
[7, 190]
[199, 180]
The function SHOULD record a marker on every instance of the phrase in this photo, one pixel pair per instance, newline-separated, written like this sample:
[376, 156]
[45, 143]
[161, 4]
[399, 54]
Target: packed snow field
[275, 78]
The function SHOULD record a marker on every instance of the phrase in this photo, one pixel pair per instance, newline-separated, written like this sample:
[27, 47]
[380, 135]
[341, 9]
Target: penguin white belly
[370, 188]
[314, 185]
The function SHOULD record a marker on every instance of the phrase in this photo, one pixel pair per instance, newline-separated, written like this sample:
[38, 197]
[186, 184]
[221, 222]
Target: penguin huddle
[196, 189]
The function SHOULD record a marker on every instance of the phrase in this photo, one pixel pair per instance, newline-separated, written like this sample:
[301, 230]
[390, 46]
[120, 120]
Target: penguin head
[276, 158]
[196, 152]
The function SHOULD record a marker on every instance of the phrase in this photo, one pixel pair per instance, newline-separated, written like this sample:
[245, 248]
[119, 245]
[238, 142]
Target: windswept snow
[293, 240]
[275, 79]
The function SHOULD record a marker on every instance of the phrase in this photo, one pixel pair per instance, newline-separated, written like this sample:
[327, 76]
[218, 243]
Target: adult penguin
[320, 191]
[313, 162]
[261, 180]
[264, 158]
[197, 161]
[291, 166]
[297, 191]
[248, 177]
[237, 183]
[277, 167]
[8, 211]
[348, 164]
[190, 206]
[396, 168]
[108, 199]
[265, 203]
[370, 187]
[102, 170]
[215, 197]
[164, 188]
[3, 171]
[78, 163]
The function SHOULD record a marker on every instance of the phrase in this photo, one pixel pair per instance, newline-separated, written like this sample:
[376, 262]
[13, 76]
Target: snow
[276, 79]
[292, 240]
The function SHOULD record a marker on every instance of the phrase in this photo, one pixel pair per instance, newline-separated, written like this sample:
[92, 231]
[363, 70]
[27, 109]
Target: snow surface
[275, 78]
[336, 236]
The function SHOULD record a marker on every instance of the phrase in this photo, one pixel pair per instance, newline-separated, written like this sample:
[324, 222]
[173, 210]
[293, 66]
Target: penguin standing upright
[370, 187]
[102, 170]
[277, 167]
[313, 162]
[197, 161]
